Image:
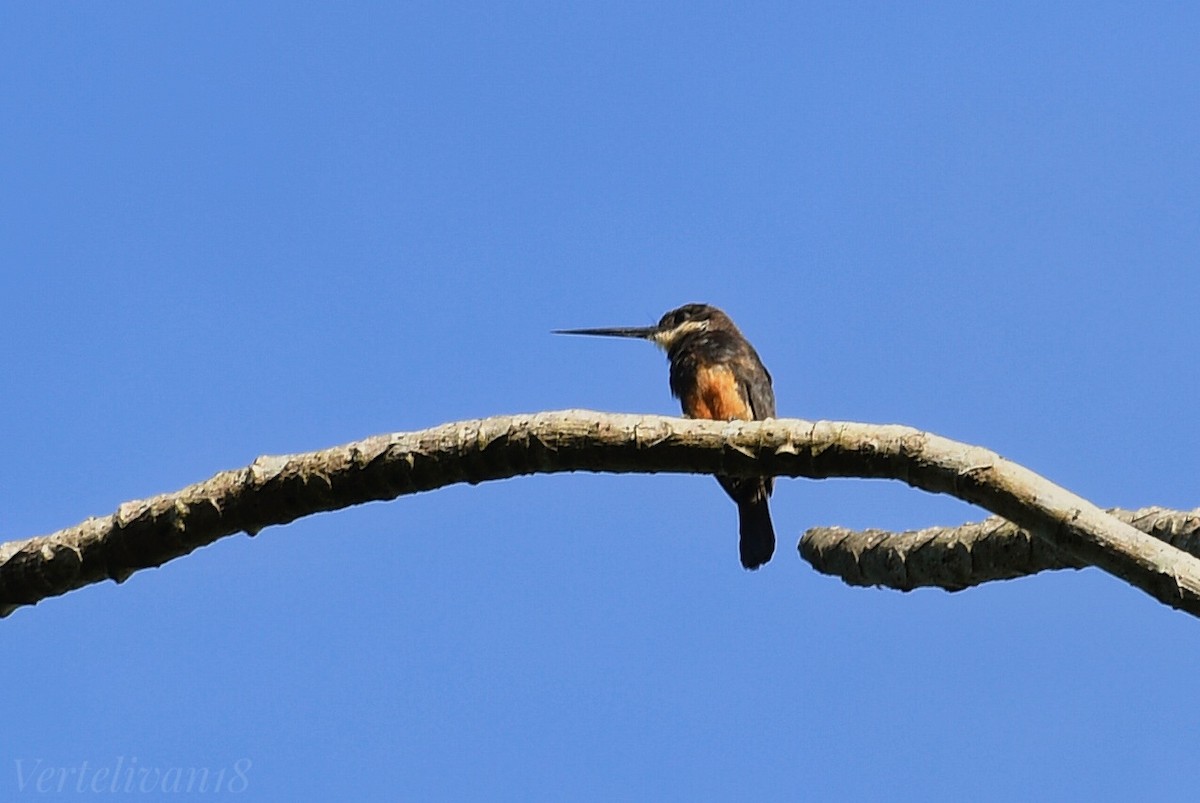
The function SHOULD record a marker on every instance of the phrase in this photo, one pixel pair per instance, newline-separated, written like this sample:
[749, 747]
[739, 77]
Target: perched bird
[717, 374]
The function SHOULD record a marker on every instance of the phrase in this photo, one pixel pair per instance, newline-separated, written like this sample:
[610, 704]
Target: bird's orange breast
[716, 394]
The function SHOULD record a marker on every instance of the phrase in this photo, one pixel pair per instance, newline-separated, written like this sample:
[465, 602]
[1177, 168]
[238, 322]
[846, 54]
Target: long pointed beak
[643, 332]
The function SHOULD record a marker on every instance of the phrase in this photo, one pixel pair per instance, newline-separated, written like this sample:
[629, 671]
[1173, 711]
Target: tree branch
[277, 490]
[954, 558]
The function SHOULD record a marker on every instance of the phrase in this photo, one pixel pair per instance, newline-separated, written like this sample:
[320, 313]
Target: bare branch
[277, 490]
[954, 558]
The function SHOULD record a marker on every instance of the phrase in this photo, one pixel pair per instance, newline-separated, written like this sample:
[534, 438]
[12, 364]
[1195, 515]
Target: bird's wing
[758, 393]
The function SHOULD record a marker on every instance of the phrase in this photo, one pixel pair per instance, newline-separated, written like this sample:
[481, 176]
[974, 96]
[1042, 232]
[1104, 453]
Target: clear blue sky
[231, 229]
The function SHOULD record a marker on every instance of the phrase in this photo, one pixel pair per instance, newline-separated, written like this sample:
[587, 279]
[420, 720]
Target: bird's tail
[757, 535]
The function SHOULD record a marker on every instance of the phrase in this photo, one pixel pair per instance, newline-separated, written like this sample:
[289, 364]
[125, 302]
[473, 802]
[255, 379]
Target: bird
[716, 374]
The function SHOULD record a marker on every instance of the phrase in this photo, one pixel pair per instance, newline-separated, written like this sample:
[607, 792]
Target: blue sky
[232, 229]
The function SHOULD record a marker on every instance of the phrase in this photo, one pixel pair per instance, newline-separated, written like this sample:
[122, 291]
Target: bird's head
[680, 322]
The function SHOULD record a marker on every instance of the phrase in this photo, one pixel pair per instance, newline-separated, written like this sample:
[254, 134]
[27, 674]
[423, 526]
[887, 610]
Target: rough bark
[277, 490]
[954, 558]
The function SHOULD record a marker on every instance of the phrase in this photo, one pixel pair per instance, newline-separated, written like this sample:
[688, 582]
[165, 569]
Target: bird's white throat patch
[666, 338]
